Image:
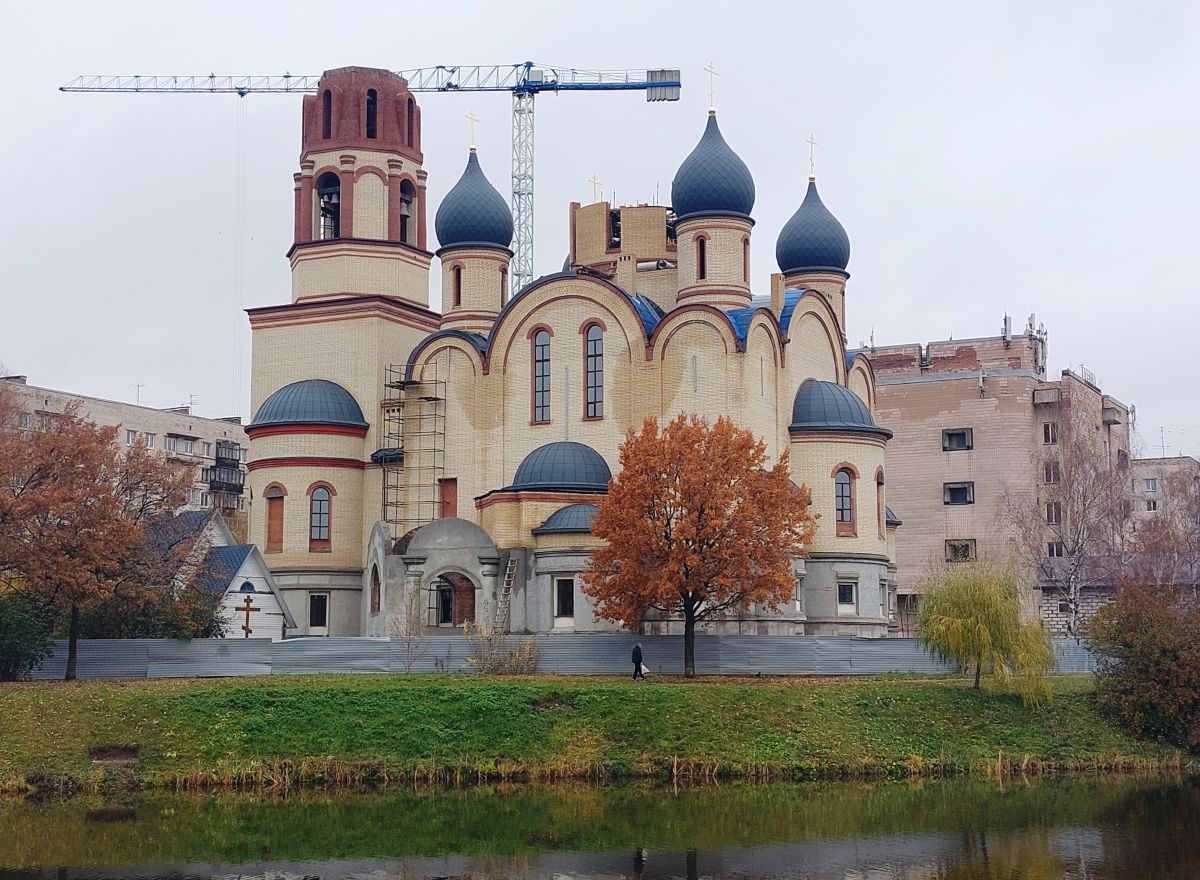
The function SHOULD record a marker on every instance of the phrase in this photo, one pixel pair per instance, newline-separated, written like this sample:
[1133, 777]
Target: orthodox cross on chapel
[247, 607]
[711, 70]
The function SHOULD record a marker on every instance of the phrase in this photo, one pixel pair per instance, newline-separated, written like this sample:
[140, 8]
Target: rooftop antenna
[138, 386]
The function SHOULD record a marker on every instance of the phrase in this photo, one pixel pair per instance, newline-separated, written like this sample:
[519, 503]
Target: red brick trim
[589, 322]
[321, 484]
[276, 430]
[282, 488]
[370, 169]
[346, 308]
[844, 466]
[305, 461]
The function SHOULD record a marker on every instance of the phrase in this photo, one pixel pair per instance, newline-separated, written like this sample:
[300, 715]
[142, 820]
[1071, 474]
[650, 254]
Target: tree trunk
[689, 641]
[978, 672]
[73, 643]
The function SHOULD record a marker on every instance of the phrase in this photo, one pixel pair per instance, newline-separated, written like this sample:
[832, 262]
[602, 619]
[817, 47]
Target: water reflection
[1113, 829]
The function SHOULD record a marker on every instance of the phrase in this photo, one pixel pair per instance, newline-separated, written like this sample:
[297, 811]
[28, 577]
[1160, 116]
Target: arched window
[843, 501]
[503, 286]
[327, 114]
[745, 259]
[318, 519]
[594, 370]
[329, 199]
[375, 589]
[372, 113]
[879, 505]
[701, 258]
[274, 496]
[456, 274]
[541, 377]
[410, 128]
[408, 194]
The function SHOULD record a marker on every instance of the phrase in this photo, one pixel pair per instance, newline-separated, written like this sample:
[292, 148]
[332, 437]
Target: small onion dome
[813, 239]
[563, 466]
[828, 406]
[310, 402]
[473, 214]
[574, 519]
[713, 180]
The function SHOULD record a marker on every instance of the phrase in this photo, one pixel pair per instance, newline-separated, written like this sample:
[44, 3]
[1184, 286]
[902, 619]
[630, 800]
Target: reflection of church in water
[404, 461]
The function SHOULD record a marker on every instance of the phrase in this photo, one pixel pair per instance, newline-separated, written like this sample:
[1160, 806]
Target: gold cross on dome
[812, 155]
[711, 70]
[594, 180]
[471, 120]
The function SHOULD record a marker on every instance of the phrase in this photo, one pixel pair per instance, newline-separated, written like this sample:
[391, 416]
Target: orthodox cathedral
[407, 465]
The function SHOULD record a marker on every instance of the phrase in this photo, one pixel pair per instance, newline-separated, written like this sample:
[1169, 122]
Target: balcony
[224, 479]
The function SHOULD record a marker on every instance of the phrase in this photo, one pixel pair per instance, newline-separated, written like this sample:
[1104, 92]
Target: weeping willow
[970, 616]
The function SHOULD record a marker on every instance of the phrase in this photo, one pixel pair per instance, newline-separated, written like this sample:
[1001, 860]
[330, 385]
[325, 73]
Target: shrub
[24, 641]
[494, 653]
[971, 616]
[1148, 673]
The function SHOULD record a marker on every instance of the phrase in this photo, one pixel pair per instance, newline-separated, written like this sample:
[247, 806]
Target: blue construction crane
[525, 81]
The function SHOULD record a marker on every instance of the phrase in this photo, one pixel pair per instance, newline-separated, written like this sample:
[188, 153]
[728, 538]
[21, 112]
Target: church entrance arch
[451, 600]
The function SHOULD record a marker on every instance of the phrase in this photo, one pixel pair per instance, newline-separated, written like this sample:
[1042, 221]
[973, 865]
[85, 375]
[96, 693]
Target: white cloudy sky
[984, 157]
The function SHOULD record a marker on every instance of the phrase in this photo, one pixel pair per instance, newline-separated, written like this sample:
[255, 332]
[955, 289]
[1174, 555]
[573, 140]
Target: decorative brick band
[275, 430]
[305, 461]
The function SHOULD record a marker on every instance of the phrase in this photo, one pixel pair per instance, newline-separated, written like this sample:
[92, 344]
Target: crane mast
[524, 80]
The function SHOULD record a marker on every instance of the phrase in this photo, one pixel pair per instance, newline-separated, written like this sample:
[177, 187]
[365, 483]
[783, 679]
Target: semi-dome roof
[828, 406]
[574, 519]
[813, 238]
[563, 466]
[473, 213]
[310, 402]
[713, 179]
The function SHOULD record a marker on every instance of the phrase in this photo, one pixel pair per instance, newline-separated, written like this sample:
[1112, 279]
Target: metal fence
[558, 654]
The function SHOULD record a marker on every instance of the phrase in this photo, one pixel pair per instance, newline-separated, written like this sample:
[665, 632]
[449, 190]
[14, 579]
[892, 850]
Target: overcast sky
[984, 158]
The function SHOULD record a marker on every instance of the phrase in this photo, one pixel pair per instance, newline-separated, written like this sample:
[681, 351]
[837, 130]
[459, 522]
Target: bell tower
[360, 193]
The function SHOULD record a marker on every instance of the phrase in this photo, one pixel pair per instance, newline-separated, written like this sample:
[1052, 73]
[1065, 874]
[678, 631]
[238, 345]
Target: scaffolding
[414, 453]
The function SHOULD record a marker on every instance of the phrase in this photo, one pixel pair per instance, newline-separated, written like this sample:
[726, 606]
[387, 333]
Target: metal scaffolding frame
[414, 439]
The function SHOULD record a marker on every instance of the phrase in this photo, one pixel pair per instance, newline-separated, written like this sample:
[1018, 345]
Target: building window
[206, 449]
[130, 438]
[1053, 513]
[1054, 550]
[375, 589]
[150, 438]
[23, 421]
[1151, 504]
[274, 496]
[327, 114]
[1152, 484]
[958, 493]
[318, 519]
[541, 377]
[594, 370]
[957, 439]
[564, 597]
[746, 260]
[1051, 473]
[205, 500]
[1049, 432]
[457, 276]
[448, 498]
[318, 614]
[329, 201]
[701, 258]
[879, 505]
[445, 605]
[846, 597]
[408, 195]
[960, 550]
[372, 113]
[843, 501]
[411, 120]
[1122, 460]
[503, 286]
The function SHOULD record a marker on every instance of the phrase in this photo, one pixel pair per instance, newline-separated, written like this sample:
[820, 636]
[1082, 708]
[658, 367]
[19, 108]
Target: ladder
[505, 603]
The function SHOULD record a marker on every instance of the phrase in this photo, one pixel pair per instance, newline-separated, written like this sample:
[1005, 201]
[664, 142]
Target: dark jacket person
[637, 662]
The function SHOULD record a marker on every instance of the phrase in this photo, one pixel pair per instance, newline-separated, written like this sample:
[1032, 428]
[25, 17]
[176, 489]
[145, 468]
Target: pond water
[1090, 828]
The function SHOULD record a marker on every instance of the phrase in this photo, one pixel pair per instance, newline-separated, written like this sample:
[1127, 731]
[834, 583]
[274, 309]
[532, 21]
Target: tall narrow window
[541, 377]
[448, 498]
[595, 372]
[411, 122]
[274, 496]
[327, 114]
[503, 286]
[318, 519]
[701, 258]
[376, 589]
[843, 498]
[457, 272]
[329, 198]
[372, 113]
[408, 195]
[745, 259]
[879, 506]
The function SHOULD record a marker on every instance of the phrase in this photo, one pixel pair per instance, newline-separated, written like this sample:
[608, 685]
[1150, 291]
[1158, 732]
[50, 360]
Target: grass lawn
[378, 729]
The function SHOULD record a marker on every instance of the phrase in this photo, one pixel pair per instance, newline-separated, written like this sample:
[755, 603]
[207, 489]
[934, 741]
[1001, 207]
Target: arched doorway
[451, 600]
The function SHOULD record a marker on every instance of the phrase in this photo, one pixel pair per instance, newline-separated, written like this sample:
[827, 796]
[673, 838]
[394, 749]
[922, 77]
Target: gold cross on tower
[812, 157]
[471, 120]
[711, 70]
[594, 180]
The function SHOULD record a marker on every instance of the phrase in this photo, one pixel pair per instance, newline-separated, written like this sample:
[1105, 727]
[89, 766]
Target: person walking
[637, 663]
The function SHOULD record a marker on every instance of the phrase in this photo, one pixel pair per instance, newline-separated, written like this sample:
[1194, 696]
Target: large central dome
[713, 180]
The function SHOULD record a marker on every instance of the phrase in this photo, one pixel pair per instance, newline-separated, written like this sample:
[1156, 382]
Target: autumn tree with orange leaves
[696, 524]
[72, 510]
